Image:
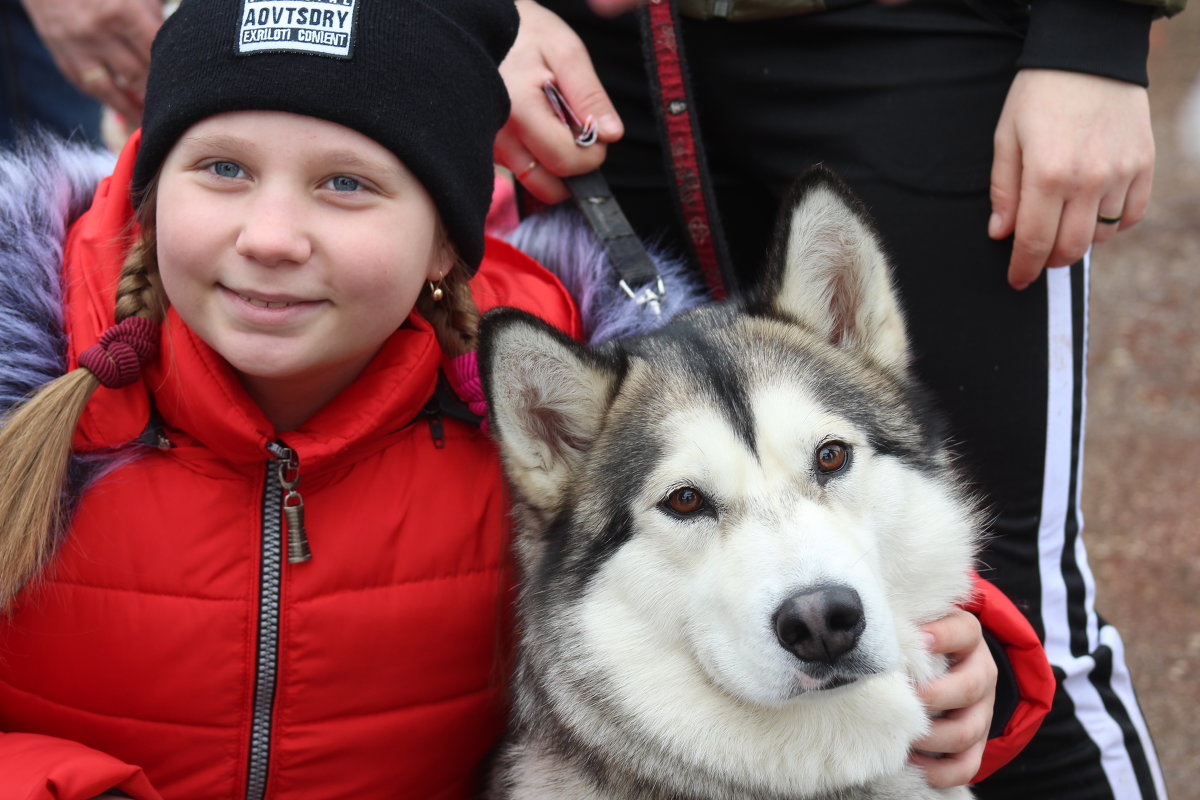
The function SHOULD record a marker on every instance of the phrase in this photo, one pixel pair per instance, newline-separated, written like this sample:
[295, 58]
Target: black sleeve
[1110, 38]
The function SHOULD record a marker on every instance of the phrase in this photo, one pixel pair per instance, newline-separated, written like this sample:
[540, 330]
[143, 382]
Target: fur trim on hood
[560, 240]
[45, 184]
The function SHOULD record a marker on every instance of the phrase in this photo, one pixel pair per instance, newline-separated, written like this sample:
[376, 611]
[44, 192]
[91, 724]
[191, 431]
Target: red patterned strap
[116, 360]
[679, 128]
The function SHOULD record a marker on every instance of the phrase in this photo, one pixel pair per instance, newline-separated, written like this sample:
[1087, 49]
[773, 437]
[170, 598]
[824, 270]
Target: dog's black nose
[820, 624]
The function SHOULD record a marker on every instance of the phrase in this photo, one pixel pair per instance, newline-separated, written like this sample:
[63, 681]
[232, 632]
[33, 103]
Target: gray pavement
[1141, 491]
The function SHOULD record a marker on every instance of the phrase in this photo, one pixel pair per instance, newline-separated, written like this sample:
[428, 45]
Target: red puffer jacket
[172, 634]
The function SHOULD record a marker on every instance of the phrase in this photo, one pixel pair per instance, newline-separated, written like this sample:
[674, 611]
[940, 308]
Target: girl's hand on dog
[963, 697]
[534, 143]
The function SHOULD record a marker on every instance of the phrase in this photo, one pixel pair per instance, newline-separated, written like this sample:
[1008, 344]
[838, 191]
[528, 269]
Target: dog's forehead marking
[890, 411]
[789, 416]
[742, 403]
[790, 424]
[687, 362]
[699, 445]
[712, 398]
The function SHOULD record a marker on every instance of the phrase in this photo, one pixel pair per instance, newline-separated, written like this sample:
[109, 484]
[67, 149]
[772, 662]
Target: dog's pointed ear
[828, 270]
[546, 400]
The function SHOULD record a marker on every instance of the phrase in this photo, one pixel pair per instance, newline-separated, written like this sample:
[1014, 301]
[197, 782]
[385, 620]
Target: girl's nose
[274, 230]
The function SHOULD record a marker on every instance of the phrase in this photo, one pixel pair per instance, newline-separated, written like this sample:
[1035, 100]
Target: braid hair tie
[116, 360]
[463, 374]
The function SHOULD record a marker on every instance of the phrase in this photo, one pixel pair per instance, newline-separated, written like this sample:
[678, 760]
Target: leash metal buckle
[648, 296]
[624, 250]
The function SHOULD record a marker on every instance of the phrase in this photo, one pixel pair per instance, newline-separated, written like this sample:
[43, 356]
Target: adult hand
[1070, 148]
[101, 46]
[964, 697]
[534, 143]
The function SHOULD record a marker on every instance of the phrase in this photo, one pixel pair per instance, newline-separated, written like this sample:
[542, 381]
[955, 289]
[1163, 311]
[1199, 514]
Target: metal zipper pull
[288, 470]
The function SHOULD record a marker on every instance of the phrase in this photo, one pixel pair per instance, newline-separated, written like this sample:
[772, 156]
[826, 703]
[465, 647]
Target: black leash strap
[638, 276]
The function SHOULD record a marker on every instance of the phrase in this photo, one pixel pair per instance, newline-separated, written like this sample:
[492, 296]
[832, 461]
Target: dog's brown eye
[832, 456]
[685, 500]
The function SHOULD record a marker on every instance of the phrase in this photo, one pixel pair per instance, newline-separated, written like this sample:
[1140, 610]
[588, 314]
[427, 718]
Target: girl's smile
[294, 247]
[260, 308]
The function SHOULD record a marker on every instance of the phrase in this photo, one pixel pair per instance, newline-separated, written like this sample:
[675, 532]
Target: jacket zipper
[280, 499]
[288, 467]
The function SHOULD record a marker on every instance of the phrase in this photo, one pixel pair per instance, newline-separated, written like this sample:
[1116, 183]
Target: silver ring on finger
[1103, 220]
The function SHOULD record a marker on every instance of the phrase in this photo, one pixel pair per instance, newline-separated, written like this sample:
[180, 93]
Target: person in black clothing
[993, 142]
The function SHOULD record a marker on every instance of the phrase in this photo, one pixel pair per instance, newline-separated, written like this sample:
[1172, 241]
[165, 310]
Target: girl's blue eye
[226, 169]
[344, 183]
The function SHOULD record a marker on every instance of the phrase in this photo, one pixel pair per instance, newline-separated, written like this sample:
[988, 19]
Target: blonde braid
[35, 438]
[138, 293]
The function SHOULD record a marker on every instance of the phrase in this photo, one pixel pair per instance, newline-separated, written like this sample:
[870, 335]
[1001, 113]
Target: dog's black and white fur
[729, 530]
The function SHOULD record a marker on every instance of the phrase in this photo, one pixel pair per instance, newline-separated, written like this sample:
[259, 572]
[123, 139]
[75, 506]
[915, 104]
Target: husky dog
[729, 530]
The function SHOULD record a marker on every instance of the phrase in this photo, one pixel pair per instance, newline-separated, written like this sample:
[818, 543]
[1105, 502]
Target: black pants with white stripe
[902, 102]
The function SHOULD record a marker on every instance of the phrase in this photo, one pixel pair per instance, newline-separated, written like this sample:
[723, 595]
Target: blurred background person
[61, 61]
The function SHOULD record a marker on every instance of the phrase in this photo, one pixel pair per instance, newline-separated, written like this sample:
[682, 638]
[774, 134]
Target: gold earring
[435, 290]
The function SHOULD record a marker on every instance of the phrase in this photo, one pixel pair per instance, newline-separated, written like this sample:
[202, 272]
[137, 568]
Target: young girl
[288, 574]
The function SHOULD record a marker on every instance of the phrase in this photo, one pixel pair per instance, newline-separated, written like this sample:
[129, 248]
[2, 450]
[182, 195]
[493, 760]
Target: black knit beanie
[417, 76]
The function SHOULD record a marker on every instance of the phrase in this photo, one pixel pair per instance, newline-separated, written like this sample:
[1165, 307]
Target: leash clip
[623, 249]
[648, 296]
[584, 131]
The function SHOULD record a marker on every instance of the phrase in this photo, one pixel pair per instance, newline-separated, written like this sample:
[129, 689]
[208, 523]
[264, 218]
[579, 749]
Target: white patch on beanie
[322, 27]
